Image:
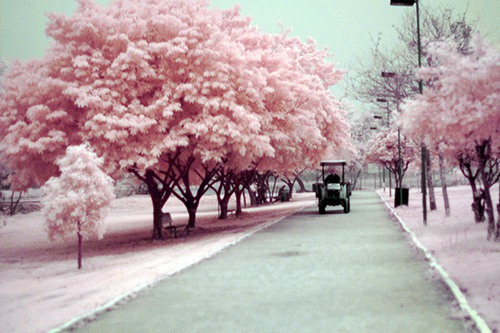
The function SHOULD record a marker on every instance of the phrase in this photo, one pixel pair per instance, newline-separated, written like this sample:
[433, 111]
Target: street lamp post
[400, 161]
[410, 3]
[383, 167]
[383, 100]
[388, 111]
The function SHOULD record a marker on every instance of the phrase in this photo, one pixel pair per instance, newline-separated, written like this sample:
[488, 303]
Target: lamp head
[389, 74]
[407, 3]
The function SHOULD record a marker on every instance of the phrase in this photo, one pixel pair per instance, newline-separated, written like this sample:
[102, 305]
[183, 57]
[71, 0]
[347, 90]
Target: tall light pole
[383, 167]
[400, 161]
[388, 111]
[421, 89]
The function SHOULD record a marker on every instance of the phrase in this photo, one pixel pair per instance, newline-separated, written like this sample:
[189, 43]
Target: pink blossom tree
[76, 202]
[169, 90]
[461, 108]
[383, 149]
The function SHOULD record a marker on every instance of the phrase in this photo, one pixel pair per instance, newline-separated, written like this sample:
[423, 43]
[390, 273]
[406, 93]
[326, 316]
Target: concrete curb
[137, 290]
[481, 325]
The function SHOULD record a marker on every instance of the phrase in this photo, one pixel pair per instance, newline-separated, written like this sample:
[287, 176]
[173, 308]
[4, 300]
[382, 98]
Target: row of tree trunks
[482, 170]
[177, 179]
[481, 178]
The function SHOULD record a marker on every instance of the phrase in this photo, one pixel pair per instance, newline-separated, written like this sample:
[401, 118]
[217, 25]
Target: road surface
[307, 273]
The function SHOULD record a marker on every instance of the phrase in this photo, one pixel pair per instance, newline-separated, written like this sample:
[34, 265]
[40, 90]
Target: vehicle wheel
[347, 205]
[322, 207]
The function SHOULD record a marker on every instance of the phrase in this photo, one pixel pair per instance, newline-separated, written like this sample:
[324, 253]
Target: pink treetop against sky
[138, 81]
[462, 104]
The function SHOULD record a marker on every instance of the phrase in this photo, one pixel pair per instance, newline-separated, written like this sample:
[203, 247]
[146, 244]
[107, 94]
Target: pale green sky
[346, 27]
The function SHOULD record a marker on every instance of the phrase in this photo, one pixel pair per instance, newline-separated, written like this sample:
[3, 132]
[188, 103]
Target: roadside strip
[455, 289]
[133, 293]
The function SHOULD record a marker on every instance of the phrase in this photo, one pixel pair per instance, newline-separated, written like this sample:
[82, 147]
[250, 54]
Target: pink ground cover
[41, 287]
[460, 247]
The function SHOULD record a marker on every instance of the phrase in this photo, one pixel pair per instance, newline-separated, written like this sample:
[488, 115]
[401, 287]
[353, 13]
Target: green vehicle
[334, 191]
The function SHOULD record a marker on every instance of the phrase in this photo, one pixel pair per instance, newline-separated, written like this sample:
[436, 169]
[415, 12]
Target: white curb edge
[481, 325]
[136, 290]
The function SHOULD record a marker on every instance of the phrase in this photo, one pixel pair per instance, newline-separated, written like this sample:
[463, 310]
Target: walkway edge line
[480, 323]
[146, 285]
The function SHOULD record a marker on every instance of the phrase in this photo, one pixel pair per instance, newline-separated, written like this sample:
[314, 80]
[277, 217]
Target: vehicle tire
[321, 207]
[347, 205]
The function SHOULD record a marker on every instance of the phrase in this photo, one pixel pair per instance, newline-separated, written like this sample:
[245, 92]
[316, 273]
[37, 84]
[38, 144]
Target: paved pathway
[308, 273]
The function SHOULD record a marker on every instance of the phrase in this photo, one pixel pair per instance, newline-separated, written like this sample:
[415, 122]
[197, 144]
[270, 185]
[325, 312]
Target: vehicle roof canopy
[333, 163]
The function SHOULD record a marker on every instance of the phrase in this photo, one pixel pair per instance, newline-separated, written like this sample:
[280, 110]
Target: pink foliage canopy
[140, 80]
[383, 149]
[80, 195]
[460, 107]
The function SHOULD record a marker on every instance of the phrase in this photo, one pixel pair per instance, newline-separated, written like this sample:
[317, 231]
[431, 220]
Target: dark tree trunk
[244, 180]
[237, 193]
[192, 208]
[160, 189]
[497, 236]
[489, 213]
[14, 202]
[290, 189]
[302, 186]
[393, 168]
[289, 183]
[483, 152]
[263, 188]
[80, 250]
[157, 216]
[465, 163]
[225, 191]
[158, 198]
[477, 203]
[253, 196]
[270, 190]
[430, 182]
[443, 185]
[224, 207]
[237, 181]
[183, 190]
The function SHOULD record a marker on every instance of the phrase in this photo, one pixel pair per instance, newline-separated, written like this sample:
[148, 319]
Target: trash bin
[401, 198]
[285, 195]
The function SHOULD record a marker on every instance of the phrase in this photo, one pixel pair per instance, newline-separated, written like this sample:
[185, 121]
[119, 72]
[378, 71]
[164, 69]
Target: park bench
[168, 224]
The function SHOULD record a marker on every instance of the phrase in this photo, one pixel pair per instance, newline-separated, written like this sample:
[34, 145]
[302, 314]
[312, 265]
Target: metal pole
[388, 126]
[400, 162]
[421, 90]
[390, 185]
[400, 169]
[383, 177]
